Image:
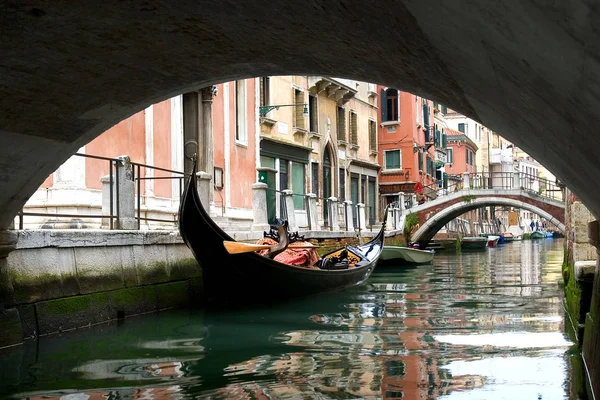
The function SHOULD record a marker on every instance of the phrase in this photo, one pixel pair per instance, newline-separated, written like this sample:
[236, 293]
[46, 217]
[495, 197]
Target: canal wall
[579, 265]
[67, 279]
[60, 280]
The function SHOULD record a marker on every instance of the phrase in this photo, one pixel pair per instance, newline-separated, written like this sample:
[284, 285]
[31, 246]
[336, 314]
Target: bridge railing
[492, 180]
[543, 187]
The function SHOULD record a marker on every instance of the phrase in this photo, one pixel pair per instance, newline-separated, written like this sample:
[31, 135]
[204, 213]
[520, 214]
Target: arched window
[327, 182]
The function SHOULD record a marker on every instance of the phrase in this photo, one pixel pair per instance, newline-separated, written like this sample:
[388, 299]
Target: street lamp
[264, 110]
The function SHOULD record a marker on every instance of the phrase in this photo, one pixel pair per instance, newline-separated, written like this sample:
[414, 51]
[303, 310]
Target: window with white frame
[450, 155]
[392, 97]
[393, 159]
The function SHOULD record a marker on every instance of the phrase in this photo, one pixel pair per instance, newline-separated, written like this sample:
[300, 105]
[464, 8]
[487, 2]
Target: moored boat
[406, 254]
[492, 240]
[249, 276]
[473, 243]
[538, 235]
[508, 236]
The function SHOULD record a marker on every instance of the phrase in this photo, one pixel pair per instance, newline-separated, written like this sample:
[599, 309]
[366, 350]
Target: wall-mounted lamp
[264, 110]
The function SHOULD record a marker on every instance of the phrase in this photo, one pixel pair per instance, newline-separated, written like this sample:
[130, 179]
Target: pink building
[461, 153]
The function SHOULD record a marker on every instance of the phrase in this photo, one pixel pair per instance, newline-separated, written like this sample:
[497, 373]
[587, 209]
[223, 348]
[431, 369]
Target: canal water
[477, 325]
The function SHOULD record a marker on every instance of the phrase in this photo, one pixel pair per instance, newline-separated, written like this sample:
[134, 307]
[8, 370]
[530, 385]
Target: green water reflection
[482, 325]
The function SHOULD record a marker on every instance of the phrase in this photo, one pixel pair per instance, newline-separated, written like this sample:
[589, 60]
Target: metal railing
[114, 195]
[370, 218]
[494, 180]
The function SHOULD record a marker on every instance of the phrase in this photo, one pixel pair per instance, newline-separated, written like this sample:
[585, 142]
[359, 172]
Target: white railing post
[334, 222]
[124, 204]
[204, 189]
[348, 215]
[259, 203]
[466, 181]
[390, 222]
[361, 219]
[401, 201]
[288, 198]
[313, 217]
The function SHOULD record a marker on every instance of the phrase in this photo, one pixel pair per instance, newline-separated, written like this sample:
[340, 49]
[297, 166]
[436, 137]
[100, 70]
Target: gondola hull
[250, 276]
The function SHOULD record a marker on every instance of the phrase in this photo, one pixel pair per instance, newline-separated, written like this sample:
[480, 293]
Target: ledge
[584, 271]
[268, 121]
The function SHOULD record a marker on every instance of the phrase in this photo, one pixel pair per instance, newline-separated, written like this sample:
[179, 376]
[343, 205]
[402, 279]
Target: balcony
[501, 156]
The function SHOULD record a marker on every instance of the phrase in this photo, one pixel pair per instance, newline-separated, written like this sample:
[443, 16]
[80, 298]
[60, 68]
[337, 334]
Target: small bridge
[542, 197]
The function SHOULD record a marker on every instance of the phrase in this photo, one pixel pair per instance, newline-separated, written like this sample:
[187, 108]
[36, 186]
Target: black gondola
[250, 276]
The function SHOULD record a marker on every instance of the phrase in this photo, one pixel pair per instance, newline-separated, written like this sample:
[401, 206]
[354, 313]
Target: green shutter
[420, 161]
[444, 140]
[298, 183]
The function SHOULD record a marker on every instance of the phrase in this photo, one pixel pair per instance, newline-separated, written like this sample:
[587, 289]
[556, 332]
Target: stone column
[123, 195]
[191, 128]
[466, 181]
[259, 203]
[334, 223]
[11, 330]
[313, 217]
[361, 216]
[348, 215]
[413, 200]
[205, 138]
[204, 189]
[288, 198]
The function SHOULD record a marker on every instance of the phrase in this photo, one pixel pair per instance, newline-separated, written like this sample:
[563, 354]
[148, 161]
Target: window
[314, 174]
[372, 135]
[462, 128]
[392, 105]
[342, 194]
[393, 159]
[299, 109]
[450, 155]
[341, 123]
[420, 161]
[265, 91]
[353, 128]
[426, 122]
[241, 135]
[313, 125]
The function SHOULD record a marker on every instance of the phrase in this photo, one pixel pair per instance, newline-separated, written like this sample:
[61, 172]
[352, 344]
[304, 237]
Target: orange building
[406, 144]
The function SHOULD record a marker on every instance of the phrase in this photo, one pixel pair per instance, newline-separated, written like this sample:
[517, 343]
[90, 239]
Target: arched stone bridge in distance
[433, 215]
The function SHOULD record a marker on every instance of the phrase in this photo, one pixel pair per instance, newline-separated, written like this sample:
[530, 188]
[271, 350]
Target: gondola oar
[240, 247]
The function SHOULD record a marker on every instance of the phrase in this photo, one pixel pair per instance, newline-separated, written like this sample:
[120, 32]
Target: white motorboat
[407, 254]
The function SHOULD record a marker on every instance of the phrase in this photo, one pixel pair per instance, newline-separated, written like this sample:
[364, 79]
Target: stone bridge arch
[428, 227]
[530, 75]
